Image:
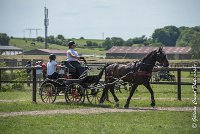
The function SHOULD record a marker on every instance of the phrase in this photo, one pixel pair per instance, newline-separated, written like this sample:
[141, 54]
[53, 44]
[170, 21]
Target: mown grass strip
[159, 122]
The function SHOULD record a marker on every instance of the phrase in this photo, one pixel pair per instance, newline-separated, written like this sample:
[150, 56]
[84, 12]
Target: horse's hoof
[153, 104]
[117, 105]
[126, 106]
[100, 104]
[153, 107]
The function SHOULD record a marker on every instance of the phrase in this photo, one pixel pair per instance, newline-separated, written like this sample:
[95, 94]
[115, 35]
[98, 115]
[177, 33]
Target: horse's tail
[101, 73]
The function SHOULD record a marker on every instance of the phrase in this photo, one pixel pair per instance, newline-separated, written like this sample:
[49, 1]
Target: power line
[30, 31]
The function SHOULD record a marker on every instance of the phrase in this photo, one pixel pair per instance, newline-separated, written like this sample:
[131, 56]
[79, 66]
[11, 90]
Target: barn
[173, 53]
[10, 50]
[45, 52]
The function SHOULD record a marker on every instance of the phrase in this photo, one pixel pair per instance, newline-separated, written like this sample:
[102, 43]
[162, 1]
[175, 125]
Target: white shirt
[73, 52]
[51, 67]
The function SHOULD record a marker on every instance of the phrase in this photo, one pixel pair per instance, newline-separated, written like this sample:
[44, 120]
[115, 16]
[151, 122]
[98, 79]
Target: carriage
[75, 89]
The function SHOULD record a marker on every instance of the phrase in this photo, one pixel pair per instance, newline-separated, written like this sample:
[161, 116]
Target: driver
[73, 58]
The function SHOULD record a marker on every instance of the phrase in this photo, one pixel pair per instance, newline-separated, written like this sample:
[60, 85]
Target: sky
[96, 19]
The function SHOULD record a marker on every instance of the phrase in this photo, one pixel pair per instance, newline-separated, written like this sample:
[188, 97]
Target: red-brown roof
[54, 51]
[168, 50]
[45, 52]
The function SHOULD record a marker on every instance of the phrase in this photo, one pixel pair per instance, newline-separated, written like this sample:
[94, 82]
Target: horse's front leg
[147, 85]
[112, 90]
[133, 88]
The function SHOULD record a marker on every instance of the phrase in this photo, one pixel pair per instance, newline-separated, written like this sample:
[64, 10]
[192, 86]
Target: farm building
[45, 52]
[173, 53]
[10, 50]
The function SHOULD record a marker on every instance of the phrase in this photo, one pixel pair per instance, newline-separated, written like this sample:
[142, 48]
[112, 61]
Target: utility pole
[46, 23]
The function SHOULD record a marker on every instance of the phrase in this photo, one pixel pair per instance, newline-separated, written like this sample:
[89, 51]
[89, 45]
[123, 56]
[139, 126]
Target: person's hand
[82, 58]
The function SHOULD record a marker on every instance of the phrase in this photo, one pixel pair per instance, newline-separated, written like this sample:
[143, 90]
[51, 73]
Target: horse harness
[135, 69]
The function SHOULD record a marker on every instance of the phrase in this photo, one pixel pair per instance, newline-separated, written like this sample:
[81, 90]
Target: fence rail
[23, 62]
[34, 82]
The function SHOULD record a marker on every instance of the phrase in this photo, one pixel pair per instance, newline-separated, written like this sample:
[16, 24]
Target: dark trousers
[53, 76]
[79, 69]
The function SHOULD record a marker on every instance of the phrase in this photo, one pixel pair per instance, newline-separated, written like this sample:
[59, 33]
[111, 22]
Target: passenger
[51, 67]
[38, 72]
[44, 69]
[73, 58]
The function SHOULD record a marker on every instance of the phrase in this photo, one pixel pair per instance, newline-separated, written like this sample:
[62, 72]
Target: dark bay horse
[136, 73]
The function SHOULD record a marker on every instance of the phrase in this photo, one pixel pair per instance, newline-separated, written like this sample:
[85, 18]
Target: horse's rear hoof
[126, 106]
[117, 105]
[100, 104]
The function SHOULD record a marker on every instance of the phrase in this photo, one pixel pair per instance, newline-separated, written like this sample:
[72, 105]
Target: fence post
[179, 83]
[34, 86]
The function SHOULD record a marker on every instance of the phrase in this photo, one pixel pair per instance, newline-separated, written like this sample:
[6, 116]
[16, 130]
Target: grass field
[150, 122]
[165, 96]
[153, 122]
[39, 45]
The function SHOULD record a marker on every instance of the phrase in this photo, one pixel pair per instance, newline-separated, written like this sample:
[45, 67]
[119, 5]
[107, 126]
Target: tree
[58, 41]
[60, 37]
[190, 37]
[51, 39]
[4, 39]
[167, 35]
[116, 41]
[187, 36]
[107, 43]
[195, 49]
[91, 44]
[129, 42]
[40, 39]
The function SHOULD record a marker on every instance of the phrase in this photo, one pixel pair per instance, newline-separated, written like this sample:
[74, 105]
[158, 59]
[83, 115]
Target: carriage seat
[69, 67]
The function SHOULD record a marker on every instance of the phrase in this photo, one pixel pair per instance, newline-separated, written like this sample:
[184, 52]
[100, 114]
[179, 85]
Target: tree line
[166, 36]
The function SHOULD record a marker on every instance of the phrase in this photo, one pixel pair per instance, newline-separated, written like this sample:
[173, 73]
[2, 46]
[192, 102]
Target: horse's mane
[148, 55]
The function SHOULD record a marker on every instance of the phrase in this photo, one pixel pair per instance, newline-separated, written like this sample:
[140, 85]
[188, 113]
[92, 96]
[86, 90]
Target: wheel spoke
[48, 91]
[74, 93]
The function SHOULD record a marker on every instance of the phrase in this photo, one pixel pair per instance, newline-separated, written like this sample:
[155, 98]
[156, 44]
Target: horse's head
[161, 57]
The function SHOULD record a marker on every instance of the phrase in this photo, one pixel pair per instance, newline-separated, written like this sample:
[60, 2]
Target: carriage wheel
[75, 93]
[48, 93]
[94, 94]
[125, 86]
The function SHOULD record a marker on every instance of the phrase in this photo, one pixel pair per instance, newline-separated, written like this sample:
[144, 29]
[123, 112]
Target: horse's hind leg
[133, 88]
[112, 88]
[147, 85]
[104, 94]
